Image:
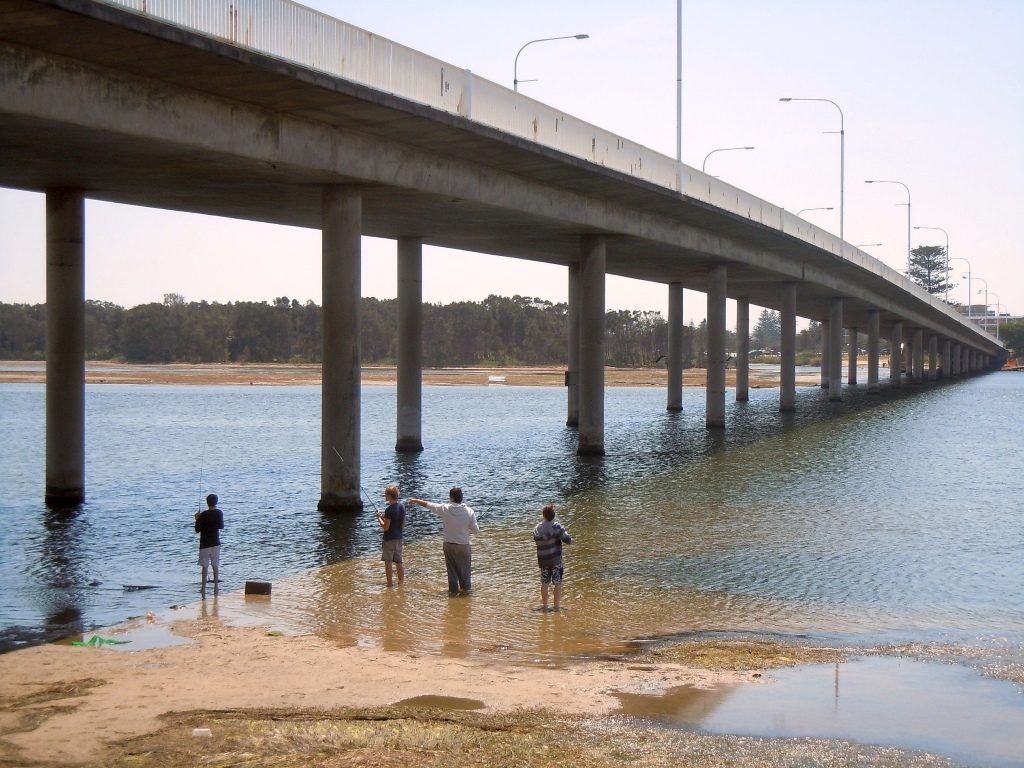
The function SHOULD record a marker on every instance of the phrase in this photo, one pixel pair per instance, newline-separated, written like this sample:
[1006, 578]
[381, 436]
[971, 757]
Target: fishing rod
[202, 464]
[363, 490]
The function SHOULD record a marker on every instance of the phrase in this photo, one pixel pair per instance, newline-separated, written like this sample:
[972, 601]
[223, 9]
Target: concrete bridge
[265, 110]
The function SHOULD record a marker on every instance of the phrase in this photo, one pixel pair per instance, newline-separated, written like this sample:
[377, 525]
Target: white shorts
[210, 556]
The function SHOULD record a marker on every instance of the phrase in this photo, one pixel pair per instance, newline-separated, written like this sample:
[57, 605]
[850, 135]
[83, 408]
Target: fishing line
[363, 490]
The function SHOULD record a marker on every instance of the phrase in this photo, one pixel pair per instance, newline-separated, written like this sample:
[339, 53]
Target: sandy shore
[66, 705]
[105, 372]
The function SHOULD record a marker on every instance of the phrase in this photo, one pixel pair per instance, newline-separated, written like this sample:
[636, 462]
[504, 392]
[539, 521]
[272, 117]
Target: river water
[891, 518]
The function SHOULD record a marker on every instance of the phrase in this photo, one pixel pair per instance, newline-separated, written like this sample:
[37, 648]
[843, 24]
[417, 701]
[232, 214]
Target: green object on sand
[96, 641]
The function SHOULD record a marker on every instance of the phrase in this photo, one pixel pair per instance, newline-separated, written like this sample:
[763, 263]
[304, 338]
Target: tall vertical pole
[835, 349]
[715, 391]
[573, 374]
[65, 347]
[742, 350]
[340, 417]
[787, 370]
[851, 360]
[674, 358]
[679, 96]
[896, 354]
[593, 259]
[874, 332]
[410, 345]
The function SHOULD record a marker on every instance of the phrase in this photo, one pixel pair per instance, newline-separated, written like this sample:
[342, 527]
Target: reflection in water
[59, 570]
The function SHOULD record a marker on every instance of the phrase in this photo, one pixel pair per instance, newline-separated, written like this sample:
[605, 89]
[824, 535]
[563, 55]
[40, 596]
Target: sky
[931, 93]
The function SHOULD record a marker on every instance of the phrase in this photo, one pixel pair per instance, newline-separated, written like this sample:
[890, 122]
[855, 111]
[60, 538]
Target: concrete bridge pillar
[572, 418]
[65, 347]
[835, 349]
[947, 359]
[851, 360]
[933, 355]
[919, 355]
[340, 451]
[873, 346]
[896, 354]
[742, 350]
[955, 360]
[787, 369]
[714, 416]
[825, 339]
[674, 358]
[410, 345]
[593, 258]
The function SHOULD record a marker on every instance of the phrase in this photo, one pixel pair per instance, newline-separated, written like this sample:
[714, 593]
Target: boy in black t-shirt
[393, 523]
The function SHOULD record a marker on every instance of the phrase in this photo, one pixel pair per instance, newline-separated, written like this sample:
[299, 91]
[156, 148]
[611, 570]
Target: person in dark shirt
[209, 524]
[393, 523]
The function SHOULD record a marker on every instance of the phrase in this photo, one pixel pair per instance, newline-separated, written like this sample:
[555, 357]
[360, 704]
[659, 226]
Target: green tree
[767, 332]
[1012, 335]
[929, 268]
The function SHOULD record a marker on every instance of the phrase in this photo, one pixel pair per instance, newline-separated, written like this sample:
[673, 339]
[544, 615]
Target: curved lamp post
[940, 229]
[842, 154]
[802, 210]
[985, 291]
[887, 181]
[704, 165]
[961, 258]
[515, 66]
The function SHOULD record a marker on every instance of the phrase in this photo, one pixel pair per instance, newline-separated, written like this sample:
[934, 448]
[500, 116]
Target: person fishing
[392, 522]
[209, 524]
[549, 537]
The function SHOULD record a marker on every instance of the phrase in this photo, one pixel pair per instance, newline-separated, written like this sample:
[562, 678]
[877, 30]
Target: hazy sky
[932, 93]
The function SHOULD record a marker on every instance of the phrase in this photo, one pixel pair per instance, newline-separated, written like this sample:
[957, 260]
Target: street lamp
[961, 258]
[704, 166]
[515, 66]
[813, 209]
[842, 155]
[999, 308]
[985, 322]
[886, 181]
[940, 229]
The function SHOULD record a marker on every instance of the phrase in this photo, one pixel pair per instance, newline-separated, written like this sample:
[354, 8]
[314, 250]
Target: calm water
[880, 519]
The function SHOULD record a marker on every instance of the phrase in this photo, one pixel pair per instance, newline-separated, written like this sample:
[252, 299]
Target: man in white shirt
[459, 523]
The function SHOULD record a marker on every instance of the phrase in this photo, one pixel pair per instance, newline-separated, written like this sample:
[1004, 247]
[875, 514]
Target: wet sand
[268, 374]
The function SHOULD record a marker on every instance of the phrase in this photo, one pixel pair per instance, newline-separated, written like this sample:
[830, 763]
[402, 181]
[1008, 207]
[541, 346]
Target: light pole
[998, 305]
[813, 209]
[961, 258]
[985, 322]
[515, 66]
[842, 155]
[886, 181]
[940, 229]
[704, 166]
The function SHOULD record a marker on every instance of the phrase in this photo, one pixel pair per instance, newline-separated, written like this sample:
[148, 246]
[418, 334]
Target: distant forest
[497, 331]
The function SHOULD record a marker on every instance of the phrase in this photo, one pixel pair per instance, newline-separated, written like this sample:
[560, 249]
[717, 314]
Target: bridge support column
[742, 350]
[674, 358]
[956, 360]
[340, 448]
[896, 354]
[572, 418]
[591, 391]
[933, 355]
[787, 368]
[919, 355]
[851, 360]
[714, 417]
[947, 359]
[65, 347]
[825, 339]
[873, 345]
[835, 349]
[410, 345]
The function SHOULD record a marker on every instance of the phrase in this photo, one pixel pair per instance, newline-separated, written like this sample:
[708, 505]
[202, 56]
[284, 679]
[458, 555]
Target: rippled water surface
[882, 518]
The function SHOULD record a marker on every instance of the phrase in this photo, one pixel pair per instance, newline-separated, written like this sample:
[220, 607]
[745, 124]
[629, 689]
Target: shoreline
[282, 374]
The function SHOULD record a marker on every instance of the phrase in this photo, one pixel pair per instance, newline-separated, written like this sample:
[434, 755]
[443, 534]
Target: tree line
[496, 331]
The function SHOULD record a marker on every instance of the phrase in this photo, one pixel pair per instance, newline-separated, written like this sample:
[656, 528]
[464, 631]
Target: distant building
[987, 318]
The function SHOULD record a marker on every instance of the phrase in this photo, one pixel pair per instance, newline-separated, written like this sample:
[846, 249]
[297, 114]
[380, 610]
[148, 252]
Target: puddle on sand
[440, 702]
[131, 638]
[947, 710]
